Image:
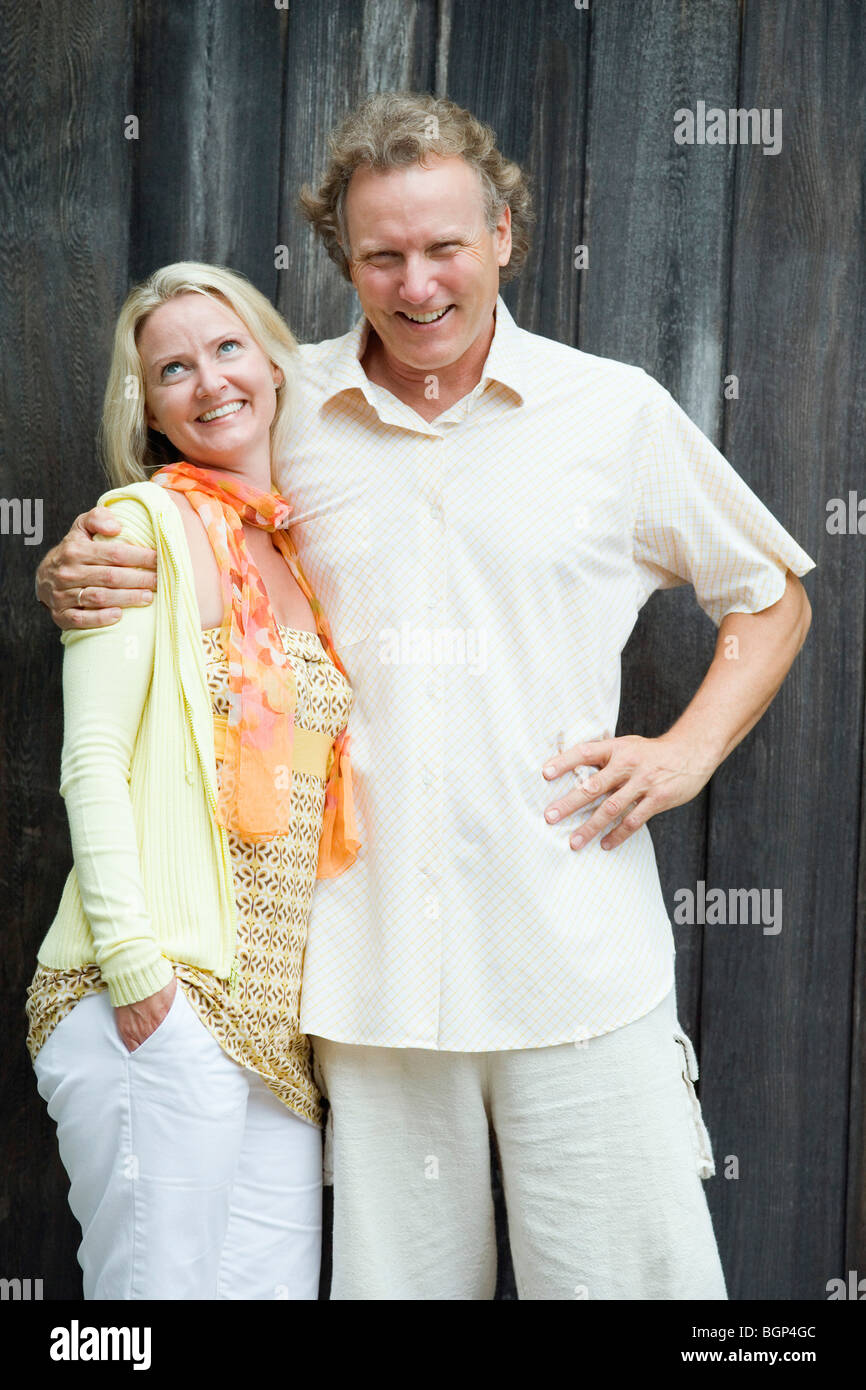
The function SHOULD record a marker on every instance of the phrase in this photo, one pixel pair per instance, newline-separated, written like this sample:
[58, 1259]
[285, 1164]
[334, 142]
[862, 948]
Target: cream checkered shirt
[482, 574]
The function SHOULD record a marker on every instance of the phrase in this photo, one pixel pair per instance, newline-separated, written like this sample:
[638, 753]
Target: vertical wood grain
[777, 1036]
[66, 84]
[657, 228]
[209, 77]
[337, 54]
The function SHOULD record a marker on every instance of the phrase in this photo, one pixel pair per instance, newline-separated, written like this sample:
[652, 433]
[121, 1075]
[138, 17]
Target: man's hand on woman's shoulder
[85, 581]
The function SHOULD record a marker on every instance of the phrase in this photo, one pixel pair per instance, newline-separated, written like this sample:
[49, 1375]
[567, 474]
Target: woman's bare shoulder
[193, 524]
[204, 564]
[182, 503]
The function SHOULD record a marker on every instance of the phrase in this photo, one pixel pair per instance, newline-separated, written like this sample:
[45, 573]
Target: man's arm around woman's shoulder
[86, 580]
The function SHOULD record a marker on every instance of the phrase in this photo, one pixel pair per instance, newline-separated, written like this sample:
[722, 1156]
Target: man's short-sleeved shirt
[482, 574]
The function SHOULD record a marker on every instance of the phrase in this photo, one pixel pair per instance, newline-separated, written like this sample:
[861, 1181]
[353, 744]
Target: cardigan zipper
[234, 972]
[187, 707]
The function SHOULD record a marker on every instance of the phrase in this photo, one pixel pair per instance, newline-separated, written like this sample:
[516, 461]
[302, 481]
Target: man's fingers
[75, 575]
[90, 597]
[78, 619]
[83, 576]
[136, 557]
[602, 821]
[630, 823]
[99, 520]
[594, 754]
[97, 613]
[580, 795]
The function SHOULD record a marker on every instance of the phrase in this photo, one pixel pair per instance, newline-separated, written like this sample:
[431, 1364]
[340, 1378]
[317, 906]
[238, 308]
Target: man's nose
[418, 280]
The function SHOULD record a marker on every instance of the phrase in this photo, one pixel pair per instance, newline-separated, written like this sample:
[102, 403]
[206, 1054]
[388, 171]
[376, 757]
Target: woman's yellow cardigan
[152, 879]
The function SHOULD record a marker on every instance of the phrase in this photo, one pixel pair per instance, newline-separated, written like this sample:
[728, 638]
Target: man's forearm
[754, 653]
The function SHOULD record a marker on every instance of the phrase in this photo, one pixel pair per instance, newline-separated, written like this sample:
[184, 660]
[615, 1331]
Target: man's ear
[503, 236]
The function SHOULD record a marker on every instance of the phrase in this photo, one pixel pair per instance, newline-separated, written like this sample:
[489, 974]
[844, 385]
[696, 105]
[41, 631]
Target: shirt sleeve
[106, 679]
[697, 522]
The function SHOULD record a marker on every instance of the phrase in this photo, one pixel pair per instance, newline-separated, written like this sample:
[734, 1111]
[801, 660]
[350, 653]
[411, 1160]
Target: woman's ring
[80, 592]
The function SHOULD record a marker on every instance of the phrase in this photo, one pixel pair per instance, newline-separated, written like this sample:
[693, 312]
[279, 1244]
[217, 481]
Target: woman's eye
[167, 369]
[229, 343]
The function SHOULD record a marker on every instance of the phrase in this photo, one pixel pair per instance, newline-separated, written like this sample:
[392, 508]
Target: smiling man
[428, 354]
[499, 959]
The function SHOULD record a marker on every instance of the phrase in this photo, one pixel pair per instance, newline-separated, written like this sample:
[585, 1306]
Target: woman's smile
[220, 412]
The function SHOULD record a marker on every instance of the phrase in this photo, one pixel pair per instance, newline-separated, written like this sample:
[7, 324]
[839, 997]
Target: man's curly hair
[391, 129]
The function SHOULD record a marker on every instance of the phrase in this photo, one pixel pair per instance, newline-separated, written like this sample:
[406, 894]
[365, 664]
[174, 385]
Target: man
[482, 512]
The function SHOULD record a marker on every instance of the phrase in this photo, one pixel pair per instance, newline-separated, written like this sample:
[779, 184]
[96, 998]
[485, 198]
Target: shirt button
[431, 906]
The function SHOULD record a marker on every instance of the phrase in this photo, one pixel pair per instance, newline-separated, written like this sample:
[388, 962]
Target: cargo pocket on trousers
[705, 1162]
[328, 1146]
[328, 1151]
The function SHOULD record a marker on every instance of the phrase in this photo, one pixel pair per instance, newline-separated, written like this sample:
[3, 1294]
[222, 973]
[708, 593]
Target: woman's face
[209, 387]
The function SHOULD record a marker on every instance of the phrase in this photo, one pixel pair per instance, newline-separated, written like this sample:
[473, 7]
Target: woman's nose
[210, 382]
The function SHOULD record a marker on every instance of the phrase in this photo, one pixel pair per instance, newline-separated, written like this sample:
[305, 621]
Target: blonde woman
[207, 781]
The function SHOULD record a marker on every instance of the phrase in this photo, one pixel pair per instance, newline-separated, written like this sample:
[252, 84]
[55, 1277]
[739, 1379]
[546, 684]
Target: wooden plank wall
[703, 261]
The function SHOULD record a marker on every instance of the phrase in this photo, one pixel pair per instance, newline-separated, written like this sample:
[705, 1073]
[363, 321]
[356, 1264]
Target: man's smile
[421, 320]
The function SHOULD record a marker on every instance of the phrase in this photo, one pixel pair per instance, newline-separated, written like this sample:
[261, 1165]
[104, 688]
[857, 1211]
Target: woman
[164, 1010]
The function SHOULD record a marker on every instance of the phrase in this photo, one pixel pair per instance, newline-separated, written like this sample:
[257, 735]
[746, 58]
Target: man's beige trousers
[602, 1149]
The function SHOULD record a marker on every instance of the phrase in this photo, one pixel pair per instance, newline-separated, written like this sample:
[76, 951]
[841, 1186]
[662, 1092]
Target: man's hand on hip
[642, 776]
[639, 777]
[85, 582]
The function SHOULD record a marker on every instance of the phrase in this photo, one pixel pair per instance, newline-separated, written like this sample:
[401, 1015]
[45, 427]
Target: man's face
[420, 247]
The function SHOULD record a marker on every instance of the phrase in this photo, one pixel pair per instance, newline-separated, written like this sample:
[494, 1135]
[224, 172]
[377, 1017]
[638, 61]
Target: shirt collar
[505, 362]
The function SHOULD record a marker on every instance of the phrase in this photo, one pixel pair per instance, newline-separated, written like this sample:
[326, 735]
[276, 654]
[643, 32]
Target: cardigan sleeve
[106, 678]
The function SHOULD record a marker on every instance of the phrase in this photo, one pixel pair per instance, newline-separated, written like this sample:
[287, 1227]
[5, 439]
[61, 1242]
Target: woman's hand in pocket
[136, 1022]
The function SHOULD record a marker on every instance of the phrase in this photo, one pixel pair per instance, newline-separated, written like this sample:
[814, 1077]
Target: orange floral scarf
[256, 780]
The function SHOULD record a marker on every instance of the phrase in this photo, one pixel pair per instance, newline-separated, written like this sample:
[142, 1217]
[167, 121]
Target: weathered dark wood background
[703, 261]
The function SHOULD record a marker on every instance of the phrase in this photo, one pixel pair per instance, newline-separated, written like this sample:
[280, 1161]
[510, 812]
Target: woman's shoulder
[136, 506]
[181, 502]
[196, 534]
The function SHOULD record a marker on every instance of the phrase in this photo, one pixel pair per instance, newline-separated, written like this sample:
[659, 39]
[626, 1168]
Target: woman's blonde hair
[391, 129]
[130, 450]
